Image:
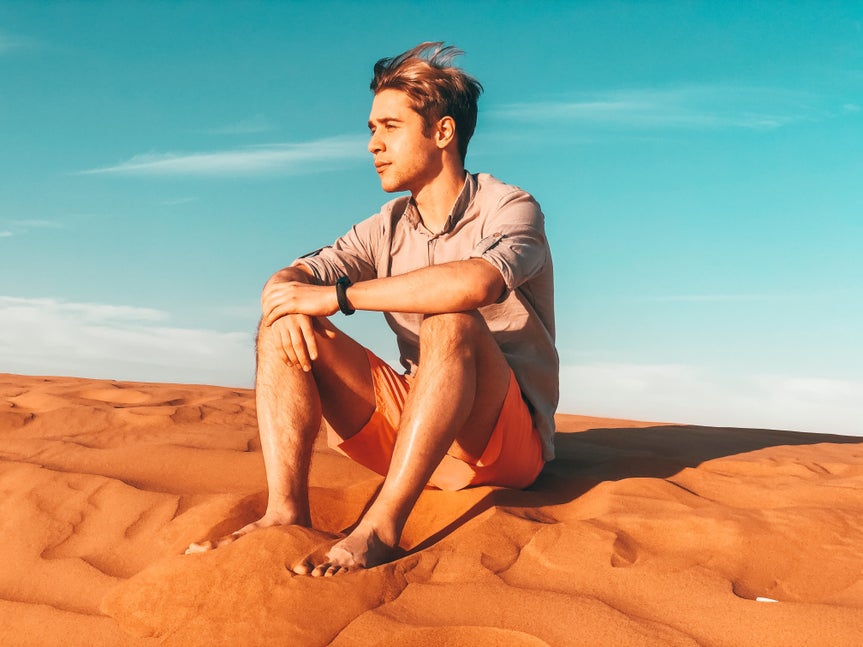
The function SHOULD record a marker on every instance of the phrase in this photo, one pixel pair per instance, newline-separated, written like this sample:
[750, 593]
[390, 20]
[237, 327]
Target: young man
[462, 270]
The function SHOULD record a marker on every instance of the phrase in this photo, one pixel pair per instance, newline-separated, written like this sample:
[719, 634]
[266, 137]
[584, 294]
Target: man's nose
[375, 145]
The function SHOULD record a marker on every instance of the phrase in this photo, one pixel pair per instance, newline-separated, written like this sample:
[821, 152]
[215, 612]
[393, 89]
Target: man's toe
[203, 547]
[303, 568]
[335, 570]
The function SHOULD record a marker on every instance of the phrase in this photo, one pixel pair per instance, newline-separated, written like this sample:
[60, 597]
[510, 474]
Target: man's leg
[290, 404]
[453, 405]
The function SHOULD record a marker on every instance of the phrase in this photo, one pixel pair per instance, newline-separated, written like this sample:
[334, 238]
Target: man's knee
[269, 340]
[266, 338]
[454, 330]
[268, 345]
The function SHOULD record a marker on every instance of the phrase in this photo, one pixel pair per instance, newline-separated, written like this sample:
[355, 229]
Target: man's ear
[445, 132]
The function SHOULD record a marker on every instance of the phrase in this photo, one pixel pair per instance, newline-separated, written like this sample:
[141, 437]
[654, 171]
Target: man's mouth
[381, 166]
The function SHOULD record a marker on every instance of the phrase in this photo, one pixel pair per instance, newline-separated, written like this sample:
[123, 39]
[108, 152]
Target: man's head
[436, 88]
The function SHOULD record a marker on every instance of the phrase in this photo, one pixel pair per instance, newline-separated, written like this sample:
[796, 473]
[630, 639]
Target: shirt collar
[465, 197]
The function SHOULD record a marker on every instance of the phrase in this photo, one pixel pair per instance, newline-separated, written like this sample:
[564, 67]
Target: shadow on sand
[587, 458]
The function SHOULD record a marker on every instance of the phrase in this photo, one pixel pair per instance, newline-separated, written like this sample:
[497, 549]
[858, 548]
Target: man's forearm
[272, 295]
[449, 287]
[296, 272]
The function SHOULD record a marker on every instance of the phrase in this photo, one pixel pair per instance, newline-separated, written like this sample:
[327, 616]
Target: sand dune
[639, 534]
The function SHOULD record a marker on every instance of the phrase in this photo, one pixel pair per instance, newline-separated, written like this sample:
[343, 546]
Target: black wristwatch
[341, 285]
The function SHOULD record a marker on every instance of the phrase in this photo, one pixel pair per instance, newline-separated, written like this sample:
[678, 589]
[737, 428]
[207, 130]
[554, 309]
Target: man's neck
[435, 200]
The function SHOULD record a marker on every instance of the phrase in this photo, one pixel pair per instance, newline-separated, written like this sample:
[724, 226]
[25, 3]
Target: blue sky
[699, 166]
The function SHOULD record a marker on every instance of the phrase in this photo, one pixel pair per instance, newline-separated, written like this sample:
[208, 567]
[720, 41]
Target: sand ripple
[638, 534]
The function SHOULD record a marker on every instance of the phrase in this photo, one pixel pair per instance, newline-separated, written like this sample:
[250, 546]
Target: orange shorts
[512, 457]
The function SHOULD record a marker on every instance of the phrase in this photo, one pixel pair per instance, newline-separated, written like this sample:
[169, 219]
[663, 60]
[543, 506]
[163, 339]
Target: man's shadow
[585, 459]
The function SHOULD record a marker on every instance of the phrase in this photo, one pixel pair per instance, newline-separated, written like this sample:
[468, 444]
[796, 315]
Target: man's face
[406, 158]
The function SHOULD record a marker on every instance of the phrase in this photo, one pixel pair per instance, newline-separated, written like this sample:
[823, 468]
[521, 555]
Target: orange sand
[638, 534]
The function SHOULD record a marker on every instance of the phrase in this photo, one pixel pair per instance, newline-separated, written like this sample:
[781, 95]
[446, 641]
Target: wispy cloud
[175, 202]
[7, 43]
[55, 337]
[249, 126]
[87, 312]
[10, 42]
[699, 395]
[285, 158]
[692, 107]
[16, 227]
[36, 224]
[714, 298]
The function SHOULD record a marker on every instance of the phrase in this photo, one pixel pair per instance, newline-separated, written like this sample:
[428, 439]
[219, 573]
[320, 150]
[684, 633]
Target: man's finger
[298, 344]
[276, 313]
[309, 336]
[269, 302]
[287, 345]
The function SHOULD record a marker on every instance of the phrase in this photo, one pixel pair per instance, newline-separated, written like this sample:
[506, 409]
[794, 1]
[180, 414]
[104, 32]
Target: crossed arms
[290, 301]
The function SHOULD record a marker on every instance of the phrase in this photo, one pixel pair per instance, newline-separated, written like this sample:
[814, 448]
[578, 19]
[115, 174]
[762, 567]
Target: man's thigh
[511, 458]
[489, 368]
[343, 377]
[373, 444]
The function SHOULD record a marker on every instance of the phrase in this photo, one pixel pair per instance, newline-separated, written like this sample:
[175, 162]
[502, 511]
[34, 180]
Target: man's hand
[294, 297]
[289, 305]
[297, 336]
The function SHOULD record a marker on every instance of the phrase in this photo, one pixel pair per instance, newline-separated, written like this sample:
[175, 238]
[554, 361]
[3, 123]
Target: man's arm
[449, 287]
[458, 286]
[296, 330]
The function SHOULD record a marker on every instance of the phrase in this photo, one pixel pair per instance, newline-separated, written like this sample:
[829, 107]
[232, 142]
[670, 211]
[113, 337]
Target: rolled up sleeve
[517, 246]
[352, 255]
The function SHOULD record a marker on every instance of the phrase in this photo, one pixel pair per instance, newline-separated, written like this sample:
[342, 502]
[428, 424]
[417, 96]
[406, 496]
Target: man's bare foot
[363, 548]
[268, 520]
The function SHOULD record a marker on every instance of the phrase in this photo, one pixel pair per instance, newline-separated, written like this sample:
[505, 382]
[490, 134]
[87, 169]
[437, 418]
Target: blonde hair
[436, 88]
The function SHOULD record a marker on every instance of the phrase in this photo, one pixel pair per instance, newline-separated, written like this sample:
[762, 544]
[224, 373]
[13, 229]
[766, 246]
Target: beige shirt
[491, 220]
